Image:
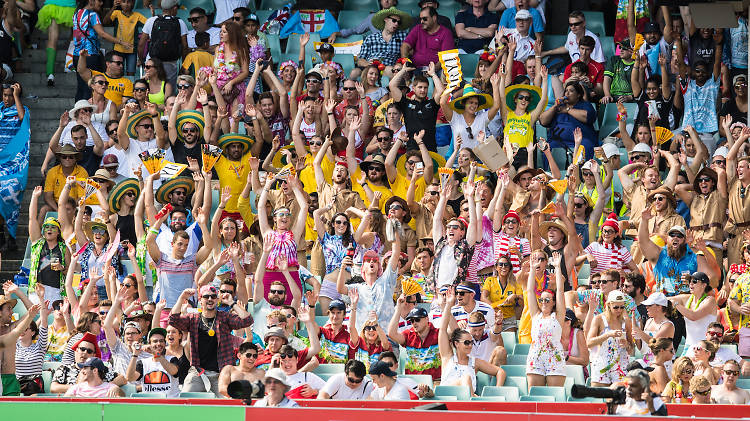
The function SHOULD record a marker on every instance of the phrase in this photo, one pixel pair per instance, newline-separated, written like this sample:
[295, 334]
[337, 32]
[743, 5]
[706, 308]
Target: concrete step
[43, 91]
[62, 79]
[40, 56]
[43, 107]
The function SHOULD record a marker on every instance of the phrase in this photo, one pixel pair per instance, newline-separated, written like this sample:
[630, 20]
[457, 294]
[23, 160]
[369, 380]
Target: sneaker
[51, 81]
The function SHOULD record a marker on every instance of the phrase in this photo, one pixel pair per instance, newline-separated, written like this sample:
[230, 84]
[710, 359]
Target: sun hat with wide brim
[458, 104]
[190, 116]
[511, 91]
[555, 223]
[167, 187]
[4, 299]
[80, 105]
[404, 205]
[133, 121]
[280, 159]
[667, 192]
[438, 161]
[708, 172]
[525, 169]
[378, 20]
[229, 138]
[88, 227]
[119, 190]
[377, 159]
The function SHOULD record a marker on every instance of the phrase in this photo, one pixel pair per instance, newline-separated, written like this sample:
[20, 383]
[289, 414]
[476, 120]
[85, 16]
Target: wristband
[621, 116]
[330, 113]
[326, 78]
[311, 306]
[153, 231]
[155, 115]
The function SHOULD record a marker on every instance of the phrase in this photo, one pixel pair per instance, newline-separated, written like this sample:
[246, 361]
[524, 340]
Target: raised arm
[437, 219]
[35, 230]
[393, 332]
[650, 250]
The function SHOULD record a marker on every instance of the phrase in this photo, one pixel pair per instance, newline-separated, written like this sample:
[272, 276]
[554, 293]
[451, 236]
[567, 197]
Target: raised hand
[354, 297]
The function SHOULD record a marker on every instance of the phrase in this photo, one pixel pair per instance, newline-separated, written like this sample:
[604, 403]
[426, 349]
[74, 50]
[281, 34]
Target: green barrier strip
[116, 412]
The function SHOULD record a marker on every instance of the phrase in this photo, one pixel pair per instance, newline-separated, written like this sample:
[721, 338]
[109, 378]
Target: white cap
[656, 298]
[276, 373]
[587, 166]
[722, 152]
[642, 147]
[678, 228]
[616, 296]
[523, 14]
[610, 150]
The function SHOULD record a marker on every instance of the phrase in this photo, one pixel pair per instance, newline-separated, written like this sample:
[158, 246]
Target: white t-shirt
[482, 349]
[458, 127]
[225, 9]
[571, 44]
[633, 407]
[448, 264]
[133, 160]
[156, 378]
[150, 24]
[397, 393]
[336, 388]
[213, 31]
[300, 379]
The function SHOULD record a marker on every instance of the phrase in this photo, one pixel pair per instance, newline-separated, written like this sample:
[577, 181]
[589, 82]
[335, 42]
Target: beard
[276, 300]
[676, 253]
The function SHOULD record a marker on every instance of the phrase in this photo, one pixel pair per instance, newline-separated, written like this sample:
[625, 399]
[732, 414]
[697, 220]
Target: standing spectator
[8, 337]
[656, 88]
[698, 308]
[610, 341]
[231, 64]
[31, 349]
[737, 105]
[49, 255]
[426, 40]
[128, 24]
[510, 17]
[211, 345]
[420, 113]
[475, 27]
[199, 21]
[51, 16]
[166, 36]
[385, 46]
[156, 77]
[466, 115]
[119, 88]
[577, 22]
[57, 176]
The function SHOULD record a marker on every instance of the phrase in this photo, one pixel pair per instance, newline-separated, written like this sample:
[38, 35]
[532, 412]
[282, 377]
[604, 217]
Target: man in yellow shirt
[232, 168]
[371, 177]
[119, 88]
[399, 177]
[55, 180]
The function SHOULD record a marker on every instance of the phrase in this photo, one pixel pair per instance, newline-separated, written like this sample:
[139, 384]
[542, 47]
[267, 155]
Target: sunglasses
[687, 371]
[148, 66]
[181, 87]
[579, 205]
[524, 97]
[394, 20]
[704, 180]
[732, 372]
[277, 292]
[703, 392]
[283, 214]
[317, 143]
[695, 281]
[91, 351]
[139, 89]
[467, 342]
[289, 354]
[384, 139]
[462, 293]
[354, 381]
[312, 81]
[715, 334]
[660, 198]
[587, 174]
[112, 132]
[251, 355]
[348, 88]
[56, 306]
[580, 22]
[396, 206]
[503, 264]
[608, 232]
[410, 162]
[618, 307]
[366, 328]
[640, 156]
[370, 259]
[433, 193]
[676, 235]
[118, 62]
[103, 312]
[545, 300]
[595, 282]
[68, 157]
[102, 82]
[411, 301]
[127, 285]
[99, 231]
[415, 319]
[226, 291]
[209, 296]
[146, 126]
[195, 19]
[340, 222]
[190, 130]
[423, 19]
[453, 227]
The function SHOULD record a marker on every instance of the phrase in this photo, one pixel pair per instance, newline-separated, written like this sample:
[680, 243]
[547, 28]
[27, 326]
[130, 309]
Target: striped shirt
[459, 313]
[29, 359]
[175, 276]
[608, 256]
[483, 256]
[502, 244]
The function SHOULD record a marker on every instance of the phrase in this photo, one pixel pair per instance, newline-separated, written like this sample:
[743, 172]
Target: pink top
[83, 390]
[283, 245]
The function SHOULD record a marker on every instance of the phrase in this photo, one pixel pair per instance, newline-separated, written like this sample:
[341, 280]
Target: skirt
[62, 15]
[270, 277]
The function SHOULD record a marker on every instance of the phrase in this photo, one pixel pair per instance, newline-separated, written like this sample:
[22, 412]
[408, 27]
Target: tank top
[453, 371]
[157, 98]
[102, 117]
[157, 379]
[518, 129]
[549, 250]
[126, 225]
[308, 129]
[648, 356]
[695, 330]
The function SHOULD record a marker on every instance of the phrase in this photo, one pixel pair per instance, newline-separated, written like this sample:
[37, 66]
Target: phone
[419, 165]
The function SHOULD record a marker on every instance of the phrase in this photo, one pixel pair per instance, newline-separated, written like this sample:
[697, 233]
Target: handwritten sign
[451, 64]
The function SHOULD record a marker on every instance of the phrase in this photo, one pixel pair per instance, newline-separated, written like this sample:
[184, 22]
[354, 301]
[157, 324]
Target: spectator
[351, 384]
[354, 96]
[91, 381]
[640, 400]
[384, 45]
[678, 388]
[593, 78]
[737, 105]
[475, 27]
[465, 112]
[169, 41]
[156, 77]
[303, 385]
[158, 373]
[199, 22]
[49, 19]
[510, 17]
[11, 332]
[571, 117]
[128, 24]
[31, 348]
[617, 75]
[231, 64]
[276, 386]
[727, 392]
[199, 57]
[67, 375]
[119, 88]
[656, 90]
[247, 353]
[577, 22]
[426, 40]
[365, 26]
[610, 340]
[388, 388]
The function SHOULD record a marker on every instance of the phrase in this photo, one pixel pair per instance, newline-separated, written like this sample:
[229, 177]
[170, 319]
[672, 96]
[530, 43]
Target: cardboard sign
[352, 48]
[171, 169]
[451, 64]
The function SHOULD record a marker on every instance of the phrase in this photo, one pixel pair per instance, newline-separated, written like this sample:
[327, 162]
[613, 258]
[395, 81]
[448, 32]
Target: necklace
[211, 331]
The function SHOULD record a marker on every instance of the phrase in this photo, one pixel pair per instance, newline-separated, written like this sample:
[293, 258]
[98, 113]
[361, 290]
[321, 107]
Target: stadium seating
[575, 372]
[329, 369]
[517, 359]
[509, 341]
[515, 370]
[352, 18]
[462, 393]
[556, 392]
[483, 380]
[128, 388]
[510, 393]
[519, 382]
[608, 46]
[420, 378]
[197, 395]
[292, 45]
[522, 349]
[368, 5]
[468, 64]
[608, 119]
[273, 4]
[584, 273]
[488, 398]
[595, 22]
[537, 398]
[152, 395]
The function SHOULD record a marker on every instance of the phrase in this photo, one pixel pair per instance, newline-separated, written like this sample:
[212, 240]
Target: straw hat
[555, 223]
[280, 159]
[88, 227]
[167, 187]
[525, 169]
[190, 116]
[68, 149]
[378, 20]
[458, 104]
[666, 191]
[80, 105]
[119, 190]
[4, 299]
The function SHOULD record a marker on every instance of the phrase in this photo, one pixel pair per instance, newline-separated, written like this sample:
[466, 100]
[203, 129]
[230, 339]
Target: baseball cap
[337, 305]
[277, 374]
[94, 362]
[721, 151]
[157, 331]
[641, 147]
[678, 228]
[110, 160]
[610, 150]
[616, 296]
[416, 313]
[650, 27]
[656, 298]
[523, 14]
[132, 325]
[253, 17]
[314, 74]
[381, 367]
[325, 47]
[207, 289]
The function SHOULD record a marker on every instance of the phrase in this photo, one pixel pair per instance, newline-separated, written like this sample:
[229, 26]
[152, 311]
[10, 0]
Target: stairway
[45, 107]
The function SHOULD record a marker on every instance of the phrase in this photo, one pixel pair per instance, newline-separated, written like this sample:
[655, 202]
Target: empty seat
[522, 349]
[292, 44]
[519, 382]
[575, 372]
[469, 64]
[510, 393]
[556, 392]
[368, 5]
[537, 398]
[488, 398]
[584, 273]
[329, 369]
[509, 341]
[462, 393]
[514, 370]
[272, 4]
[419, 379]
[595, 23]
[321, 320]
[154, 395]
[516, 359]
[352, 18]
[197, 395]
[483, 380]
[608, 46]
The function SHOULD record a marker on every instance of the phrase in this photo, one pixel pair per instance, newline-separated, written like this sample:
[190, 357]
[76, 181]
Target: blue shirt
[84, 35]
[560, 132]
[508, 20]
[470, 21]
[375, 47]
[667, 271]
[700, 106]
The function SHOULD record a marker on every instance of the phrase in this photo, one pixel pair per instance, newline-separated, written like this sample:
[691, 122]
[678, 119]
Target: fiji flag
[14, 163]
[318, 20]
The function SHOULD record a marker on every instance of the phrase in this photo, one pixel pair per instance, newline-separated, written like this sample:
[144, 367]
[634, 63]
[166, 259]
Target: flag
[276, 20]
[317, 21]
[15, 136]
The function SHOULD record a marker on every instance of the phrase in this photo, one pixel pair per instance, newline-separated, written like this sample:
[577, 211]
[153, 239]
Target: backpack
[165, 41]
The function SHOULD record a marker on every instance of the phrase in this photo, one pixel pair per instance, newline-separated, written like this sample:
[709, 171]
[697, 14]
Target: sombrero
[119, 190]
[229, 138]
[167, 187]
[88, 227]
[555, 223]
[190, 116]
[437, 162]
[378, 20]
[511, 91]
[279, 160]
[458, 104]
[708, 172]
[133, 121]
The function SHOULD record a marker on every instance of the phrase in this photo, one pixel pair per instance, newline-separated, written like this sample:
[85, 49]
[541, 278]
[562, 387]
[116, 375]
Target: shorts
[744, 345]
[509, 324]
[11, 386]
[544, 361]
[328, 289]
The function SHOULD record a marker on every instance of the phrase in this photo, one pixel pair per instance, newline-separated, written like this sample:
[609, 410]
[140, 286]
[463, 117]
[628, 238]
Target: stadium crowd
[226, 215]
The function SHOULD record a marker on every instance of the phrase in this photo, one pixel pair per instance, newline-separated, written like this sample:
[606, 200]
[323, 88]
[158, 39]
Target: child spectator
[200, 57]
[128, 24]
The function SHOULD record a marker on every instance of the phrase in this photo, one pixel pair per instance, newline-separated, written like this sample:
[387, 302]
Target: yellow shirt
[197, 59]
[126, 28]
[118, 88]
[519, 130]
[498, 295]
[307, 175]
[234, 175]
[385, 191]
[55, 181]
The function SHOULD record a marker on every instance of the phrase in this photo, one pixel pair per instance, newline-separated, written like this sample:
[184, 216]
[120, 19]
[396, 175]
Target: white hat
[587, 166]
[616, 296]
[721, 151]
[523, 14]
[656, 298]
[642, 147]
[610, 150]
[276, 373]
[80, 104]
[678, 228]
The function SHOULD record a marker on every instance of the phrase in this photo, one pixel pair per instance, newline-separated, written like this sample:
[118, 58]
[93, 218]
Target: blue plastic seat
[420, 379]
[292, 45]
[368, 5]
[153, 395]
[608, 120]
[197, 395]
[352, 18]
[556, 392]
[462, 393]
[575, 372]
[273, 4]
[510, 393]
[537, 398]
[514, 370]
[329, 369]
[509, 341]
[595, 22]
[469, 64]
[522, 349]
[553, 41]
[516, 359]
[584, 273]
[519, 382]
[608, 46]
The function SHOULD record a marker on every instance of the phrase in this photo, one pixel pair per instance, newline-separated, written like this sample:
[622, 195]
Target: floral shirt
[741, 294]
[68, 374]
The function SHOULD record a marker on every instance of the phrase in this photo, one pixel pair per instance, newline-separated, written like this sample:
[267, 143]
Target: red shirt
[333, 348]
[423, 357]
[595, 73]
[264, 359]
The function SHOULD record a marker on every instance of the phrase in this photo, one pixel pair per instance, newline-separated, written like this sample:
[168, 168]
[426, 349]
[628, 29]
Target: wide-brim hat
[133, 121]
[68, 149]
[102, 175]
[88, 227]
[403, 204]
[525, 169]
[167, 187]
[707, 172]
[511, 91]
[279, 159]
[666, 191]
[119, 190]
[378, 20]
[377, 159]
[190, 116]
[458, 104]
[555, 223]
[229, 138]
[438, 161]
[80, 105]
[4, 299]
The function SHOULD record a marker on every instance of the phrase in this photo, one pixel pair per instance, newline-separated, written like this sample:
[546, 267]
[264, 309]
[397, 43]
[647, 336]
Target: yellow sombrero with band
[190, 116]
[511, 91]
[88, 227]
[119, 190]
[437, 162]
[229, 138]
[279, 160]
[458, 104]
[167, 187]
[133, 121]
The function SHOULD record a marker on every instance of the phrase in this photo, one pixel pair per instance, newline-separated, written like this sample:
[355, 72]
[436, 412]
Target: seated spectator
[276, 386]
[577, 22]
[31, 348]
[199, 21]
[593, 76]
[727, 392]
[57, 176]
[737, 104]
[388, 388]
[426, 40]
[91, 382]
[303, 385]
[678, 388]
[351, 384]
[384, 45]
[510, 18]
[247, 354]
[475, 27]
[572, 116]
[700, 388]
[640, 400]
[158, 372]
[67, 375]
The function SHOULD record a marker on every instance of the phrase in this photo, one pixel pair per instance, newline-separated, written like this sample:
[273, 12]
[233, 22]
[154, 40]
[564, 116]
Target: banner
[343, 47]
[318, 21]
[451, 64]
